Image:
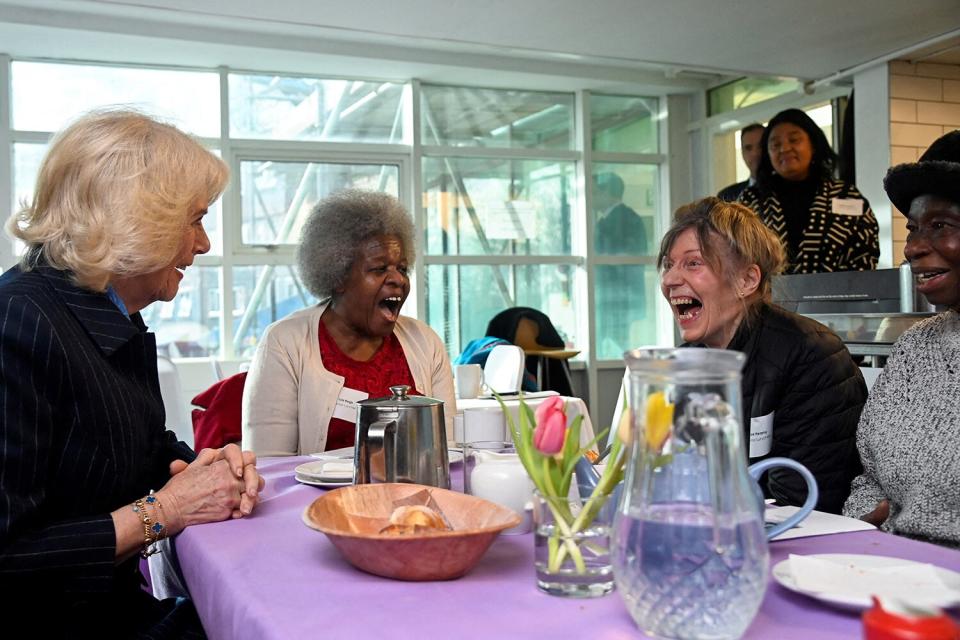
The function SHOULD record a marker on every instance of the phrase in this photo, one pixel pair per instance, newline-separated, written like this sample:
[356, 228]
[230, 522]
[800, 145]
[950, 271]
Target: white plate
[783, 575]
[323, 483]
[317, 471]
[346, 453]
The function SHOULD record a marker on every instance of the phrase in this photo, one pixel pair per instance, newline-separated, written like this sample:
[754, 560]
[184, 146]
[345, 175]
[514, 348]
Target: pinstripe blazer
[81, 434]
[831, 241]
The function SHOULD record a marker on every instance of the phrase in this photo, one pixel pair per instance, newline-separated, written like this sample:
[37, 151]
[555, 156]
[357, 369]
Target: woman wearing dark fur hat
[909, 432]
[825, 224]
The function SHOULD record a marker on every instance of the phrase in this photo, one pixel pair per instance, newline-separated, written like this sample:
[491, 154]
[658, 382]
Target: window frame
[408, 155]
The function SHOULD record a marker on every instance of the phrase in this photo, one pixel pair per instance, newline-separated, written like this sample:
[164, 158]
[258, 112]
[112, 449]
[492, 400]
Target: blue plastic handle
[813, 493]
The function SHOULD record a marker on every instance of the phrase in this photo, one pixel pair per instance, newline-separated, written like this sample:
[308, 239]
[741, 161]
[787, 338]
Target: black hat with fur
[937, 173]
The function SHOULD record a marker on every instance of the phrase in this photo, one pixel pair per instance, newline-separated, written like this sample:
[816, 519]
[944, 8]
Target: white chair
[503, 372]
[178, 420]
[220, 371]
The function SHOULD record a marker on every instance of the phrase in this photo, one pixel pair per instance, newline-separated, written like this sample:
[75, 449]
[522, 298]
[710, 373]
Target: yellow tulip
[659, 420]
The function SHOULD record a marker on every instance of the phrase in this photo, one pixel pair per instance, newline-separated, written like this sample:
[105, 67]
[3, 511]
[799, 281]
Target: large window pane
[748, 91]
[625, 199]
[472, 117]
[26, 165]
[624, 124]
[292, 108]
[47, 96]
[498, 207]
[277, 196]
[262, 295]
[624, 307]
[212, 223]
[189, 325]
[461, 300]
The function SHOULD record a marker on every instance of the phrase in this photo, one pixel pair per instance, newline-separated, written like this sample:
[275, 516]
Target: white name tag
[346, 408]
[848, 206]
[761, 435]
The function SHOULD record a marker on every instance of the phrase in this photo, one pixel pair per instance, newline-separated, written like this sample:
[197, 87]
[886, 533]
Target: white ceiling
[679, 43]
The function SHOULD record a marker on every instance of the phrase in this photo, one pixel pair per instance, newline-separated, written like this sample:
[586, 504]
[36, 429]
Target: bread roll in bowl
[414, 519]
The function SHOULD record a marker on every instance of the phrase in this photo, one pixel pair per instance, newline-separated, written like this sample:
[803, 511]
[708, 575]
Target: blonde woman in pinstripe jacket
[116, 217]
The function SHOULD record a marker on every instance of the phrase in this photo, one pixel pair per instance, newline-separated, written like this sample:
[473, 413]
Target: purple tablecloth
[269, 576]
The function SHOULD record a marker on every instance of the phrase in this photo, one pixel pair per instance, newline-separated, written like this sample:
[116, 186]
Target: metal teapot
[401, 438]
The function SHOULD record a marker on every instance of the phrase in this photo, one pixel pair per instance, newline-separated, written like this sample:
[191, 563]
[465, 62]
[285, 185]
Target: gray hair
[338, 225]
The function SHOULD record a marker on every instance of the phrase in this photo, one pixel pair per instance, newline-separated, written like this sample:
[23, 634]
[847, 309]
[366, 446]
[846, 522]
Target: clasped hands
[218, 484]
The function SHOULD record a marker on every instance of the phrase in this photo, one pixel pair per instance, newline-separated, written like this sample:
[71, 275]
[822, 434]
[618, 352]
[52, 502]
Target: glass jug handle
[813, 493]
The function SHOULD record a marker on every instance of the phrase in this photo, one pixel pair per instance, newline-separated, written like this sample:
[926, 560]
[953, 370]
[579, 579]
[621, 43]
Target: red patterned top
[388, 367]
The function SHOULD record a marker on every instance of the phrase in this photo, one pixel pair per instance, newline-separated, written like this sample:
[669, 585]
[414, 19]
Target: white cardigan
[289, 396]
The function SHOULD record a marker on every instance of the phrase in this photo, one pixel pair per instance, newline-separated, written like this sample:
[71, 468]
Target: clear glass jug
[690, 553]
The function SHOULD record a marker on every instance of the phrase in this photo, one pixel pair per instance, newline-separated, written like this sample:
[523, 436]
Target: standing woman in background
[824, 223]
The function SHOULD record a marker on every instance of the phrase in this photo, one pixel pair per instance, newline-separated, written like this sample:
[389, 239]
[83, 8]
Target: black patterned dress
[841, 233]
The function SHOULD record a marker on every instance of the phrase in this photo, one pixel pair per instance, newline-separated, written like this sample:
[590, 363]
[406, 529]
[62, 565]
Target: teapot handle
[380, 436]
[813, 493]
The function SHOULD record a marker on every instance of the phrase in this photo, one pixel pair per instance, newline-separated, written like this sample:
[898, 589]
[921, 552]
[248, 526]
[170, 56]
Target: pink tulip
[551, 426]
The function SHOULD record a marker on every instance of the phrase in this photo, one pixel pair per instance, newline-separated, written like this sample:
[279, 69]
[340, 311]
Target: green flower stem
[556, 552]
[601, 493]
[612, 475]
[561, 515]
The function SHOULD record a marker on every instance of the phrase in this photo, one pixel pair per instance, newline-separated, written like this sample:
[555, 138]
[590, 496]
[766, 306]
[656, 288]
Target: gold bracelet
[159, 516]
[151, 530]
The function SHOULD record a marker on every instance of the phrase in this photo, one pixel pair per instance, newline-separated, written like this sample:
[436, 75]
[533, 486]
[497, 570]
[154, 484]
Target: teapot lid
[399, 398]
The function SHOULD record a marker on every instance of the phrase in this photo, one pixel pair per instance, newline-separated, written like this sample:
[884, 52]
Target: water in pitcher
[685, 578]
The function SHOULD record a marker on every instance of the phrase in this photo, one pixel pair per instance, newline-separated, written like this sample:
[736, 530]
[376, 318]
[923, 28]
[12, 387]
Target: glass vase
[572, 545]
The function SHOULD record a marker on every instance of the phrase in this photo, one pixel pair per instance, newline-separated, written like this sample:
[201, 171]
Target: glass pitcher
[690, 551]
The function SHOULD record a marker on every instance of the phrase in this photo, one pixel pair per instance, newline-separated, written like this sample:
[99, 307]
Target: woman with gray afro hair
[312, 367]
[341, 223]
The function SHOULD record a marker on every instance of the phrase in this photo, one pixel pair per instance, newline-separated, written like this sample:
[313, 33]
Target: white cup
[469, 380]
[483, 423]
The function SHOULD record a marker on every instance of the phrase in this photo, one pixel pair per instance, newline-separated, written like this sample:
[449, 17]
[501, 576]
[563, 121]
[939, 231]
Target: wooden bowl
[352, 518]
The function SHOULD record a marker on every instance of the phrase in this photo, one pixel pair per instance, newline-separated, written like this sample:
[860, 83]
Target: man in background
[751, 152]
[619, 228]
[619, 293]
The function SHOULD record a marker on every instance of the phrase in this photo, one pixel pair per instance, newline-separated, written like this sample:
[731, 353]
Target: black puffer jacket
[799, 370]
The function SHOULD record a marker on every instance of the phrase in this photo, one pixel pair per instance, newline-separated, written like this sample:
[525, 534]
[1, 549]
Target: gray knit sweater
[909, 436]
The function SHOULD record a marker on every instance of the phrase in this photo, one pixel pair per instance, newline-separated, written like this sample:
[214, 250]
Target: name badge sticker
[346, 408]
[761, 435]
[847, 206]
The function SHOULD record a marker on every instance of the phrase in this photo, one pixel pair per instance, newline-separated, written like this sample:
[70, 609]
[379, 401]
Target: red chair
[217, 422]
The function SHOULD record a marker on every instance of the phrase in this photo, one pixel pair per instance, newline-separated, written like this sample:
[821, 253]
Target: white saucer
[783, 575]
[322, 483]
[318, 471]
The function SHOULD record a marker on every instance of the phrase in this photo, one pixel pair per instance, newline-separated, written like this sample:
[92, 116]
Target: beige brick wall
[924, 104]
